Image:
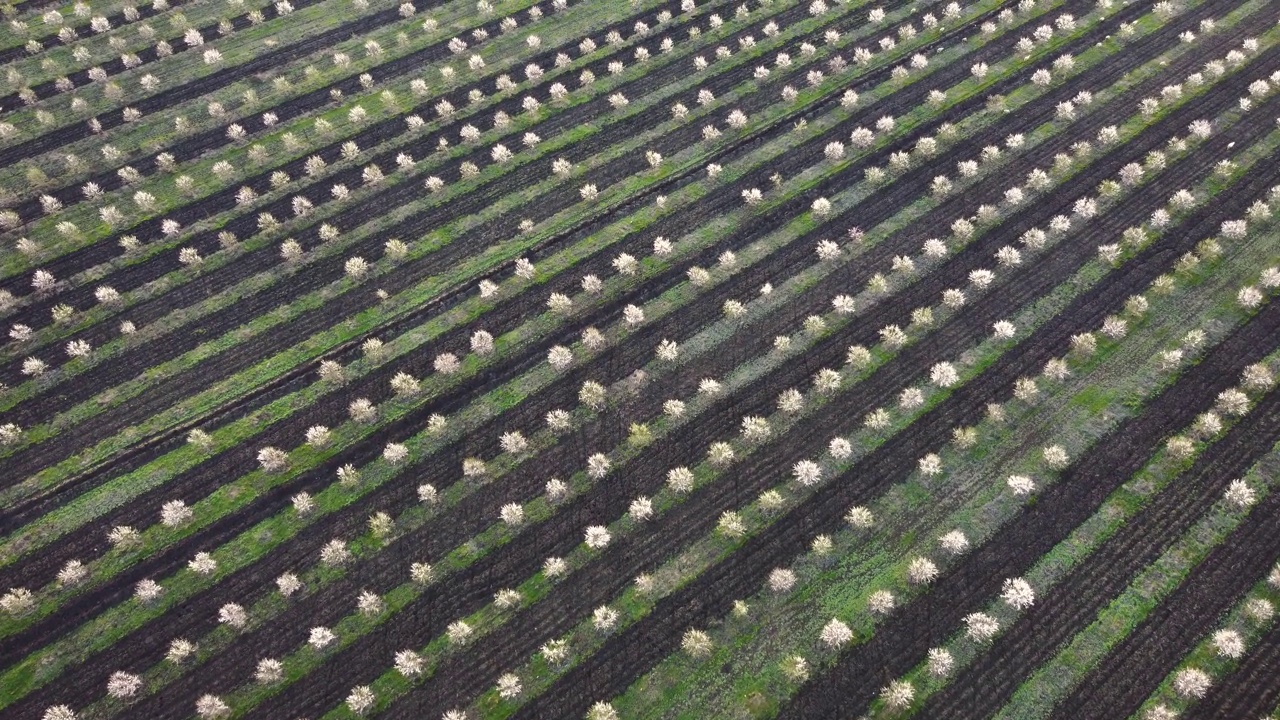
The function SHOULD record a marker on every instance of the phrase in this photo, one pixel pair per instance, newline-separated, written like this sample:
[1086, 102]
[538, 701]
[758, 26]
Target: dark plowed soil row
[145, 12]
[1075, 601]
[607, 674]
[771, 399]
[267, 61]
[1252, 690]
[1136, 666]
[29, 5]
[147, 55]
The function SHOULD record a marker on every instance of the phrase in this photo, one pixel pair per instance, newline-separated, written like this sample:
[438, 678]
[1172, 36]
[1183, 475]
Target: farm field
[640, 359]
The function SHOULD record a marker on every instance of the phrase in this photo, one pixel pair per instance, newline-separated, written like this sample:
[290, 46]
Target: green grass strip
[1121, 506]
[59, 61]
[1051, 683]
[1249, 620]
